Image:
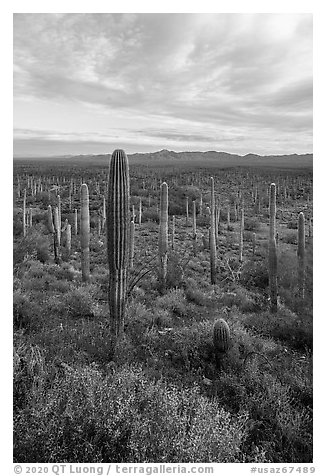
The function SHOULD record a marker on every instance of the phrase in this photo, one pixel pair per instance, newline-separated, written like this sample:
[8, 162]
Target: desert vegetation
[162, 314]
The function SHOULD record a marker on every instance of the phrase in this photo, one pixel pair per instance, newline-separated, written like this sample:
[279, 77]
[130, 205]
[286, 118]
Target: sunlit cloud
[234, 82]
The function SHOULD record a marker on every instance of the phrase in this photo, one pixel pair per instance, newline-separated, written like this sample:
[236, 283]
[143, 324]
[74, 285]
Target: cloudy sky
[89, 83]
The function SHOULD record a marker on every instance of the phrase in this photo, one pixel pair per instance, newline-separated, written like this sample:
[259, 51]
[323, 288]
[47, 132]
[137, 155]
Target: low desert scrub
[88, 416]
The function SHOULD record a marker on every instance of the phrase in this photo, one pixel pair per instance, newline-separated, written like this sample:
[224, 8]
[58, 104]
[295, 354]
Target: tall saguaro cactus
[212, 236]
[194, 227]
[241, 235]
[301, 254]
[132, 243]
[272, 249]
[163, 233]
[24, 213]
[84, 232]
[118, 236]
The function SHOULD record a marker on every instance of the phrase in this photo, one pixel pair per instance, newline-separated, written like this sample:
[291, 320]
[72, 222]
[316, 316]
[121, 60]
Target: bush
[254, 274]
[252, 224]
[88, 417]
[24, 310]
[79, 302]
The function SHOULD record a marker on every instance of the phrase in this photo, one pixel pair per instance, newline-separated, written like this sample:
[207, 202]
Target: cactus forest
[162, 313]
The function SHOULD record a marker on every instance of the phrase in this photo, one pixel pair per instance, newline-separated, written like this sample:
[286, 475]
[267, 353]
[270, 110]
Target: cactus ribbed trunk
[217, 218]
[59, 211]
[140, 211]
[173, 232]
[76, 222]
[118, 238]
[212, 239]
[103, 215]
[163, 234]
[194, 228]
[84, 232]
[241, 235]
[187, 211]
[301, 255]
[24, 213]
[56, 235]
[272, 250]
[201, 204]
[132, 244]
[254, 244]
[68, 239]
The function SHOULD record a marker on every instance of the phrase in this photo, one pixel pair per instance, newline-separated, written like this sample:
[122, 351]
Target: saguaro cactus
[187, 211]
[173, 232]
[272, 249]
[132, 243]
[140, 211]
[53, 225]
[24, 213]
[301, 254]
[241, 234]
[212, 237]
[221, 340]
[194, 228]
[118, 236]
[76, 222]
[163, 233]
[68, 239]
[254, 244]
[84, 232]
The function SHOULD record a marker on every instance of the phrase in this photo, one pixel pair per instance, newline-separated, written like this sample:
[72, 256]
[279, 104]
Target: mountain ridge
[170, 157]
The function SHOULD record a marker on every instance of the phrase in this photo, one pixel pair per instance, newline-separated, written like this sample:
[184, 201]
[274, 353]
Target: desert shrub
[285, 326]
[175, 271]
[150, 214]
[254, 274]
[29, 373]
[33, 246]
[173, 301]
[88, 417]
[25, 311]
[79, 302]
[290, 238]
[194, 293]
[252, 224]
[203, 220]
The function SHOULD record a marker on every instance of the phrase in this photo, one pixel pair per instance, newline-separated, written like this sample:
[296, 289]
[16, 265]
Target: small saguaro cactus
[187, 211]
[163, 233]
[301, 254]
[118, 237]
[272, 250]
[84, 232]
[221, 340]
[212, 237]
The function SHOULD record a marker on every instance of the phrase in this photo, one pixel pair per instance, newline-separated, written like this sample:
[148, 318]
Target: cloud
[235, 73]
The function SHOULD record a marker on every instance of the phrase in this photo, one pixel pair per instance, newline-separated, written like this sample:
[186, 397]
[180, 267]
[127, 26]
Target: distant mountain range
[169, 157]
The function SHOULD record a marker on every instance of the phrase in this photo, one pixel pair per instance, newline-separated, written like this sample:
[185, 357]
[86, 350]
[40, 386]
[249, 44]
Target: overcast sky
[89, 83]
